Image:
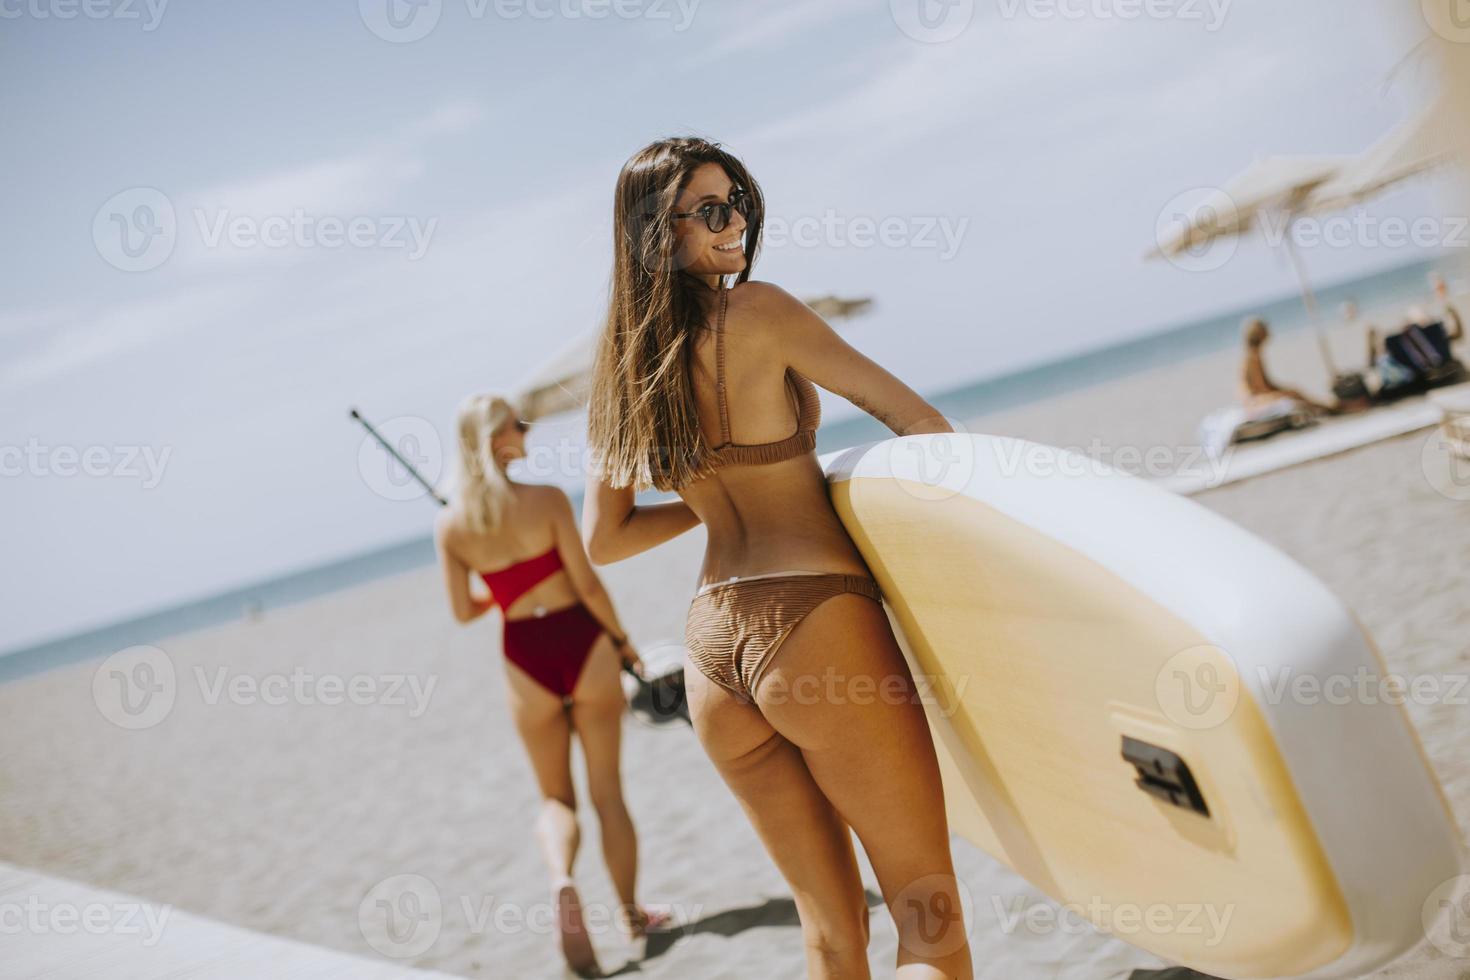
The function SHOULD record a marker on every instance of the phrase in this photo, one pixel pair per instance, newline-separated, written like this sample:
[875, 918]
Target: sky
[227, 223]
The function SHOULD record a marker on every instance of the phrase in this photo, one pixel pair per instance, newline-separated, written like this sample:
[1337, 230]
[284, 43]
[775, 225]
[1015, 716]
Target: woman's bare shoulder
[763, 308]
[766, 297]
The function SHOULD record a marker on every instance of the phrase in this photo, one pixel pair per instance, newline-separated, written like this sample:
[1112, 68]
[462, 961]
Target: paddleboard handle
[1164, 775]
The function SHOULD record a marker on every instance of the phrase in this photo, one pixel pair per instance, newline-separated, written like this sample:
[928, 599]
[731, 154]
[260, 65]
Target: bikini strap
[720, 368]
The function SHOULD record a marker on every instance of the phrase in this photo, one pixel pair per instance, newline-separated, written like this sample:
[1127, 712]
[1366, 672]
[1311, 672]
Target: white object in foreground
[1152, 715]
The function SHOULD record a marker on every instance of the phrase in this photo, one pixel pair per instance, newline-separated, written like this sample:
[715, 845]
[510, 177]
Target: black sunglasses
[717, 216]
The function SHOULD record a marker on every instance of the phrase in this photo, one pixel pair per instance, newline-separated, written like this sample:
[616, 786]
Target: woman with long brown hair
[563, 648]
[697, 389]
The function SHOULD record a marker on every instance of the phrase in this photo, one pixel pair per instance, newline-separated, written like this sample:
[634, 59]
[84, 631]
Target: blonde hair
[642, 424]
[484, 493]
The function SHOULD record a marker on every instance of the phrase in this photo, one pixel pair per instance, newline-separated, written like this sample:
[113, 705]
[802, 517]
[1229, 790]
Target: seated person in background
[1257, 390]
[1392, 374]
[1425, 347]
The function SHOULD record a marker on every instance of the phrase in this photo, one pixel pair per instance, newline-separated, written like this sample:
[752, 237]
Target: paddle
[658, 700]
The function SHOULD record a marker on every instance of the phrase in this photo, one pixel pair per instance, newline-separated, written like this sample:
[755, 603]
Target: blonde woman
[563, 648]
[709, 391]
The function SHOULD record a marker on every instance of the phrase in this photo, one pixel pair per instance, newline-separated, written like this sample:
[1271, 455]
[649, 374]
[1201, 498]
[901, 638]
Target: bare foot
[637, 920]
[576, 945]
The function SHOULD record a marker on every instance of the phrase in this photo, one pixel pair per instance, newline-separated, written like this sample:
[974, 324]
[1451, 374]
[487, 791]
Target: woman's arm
[466, 607]
[1453, 315]
[584, 579]
[809, 345]
[614, 528]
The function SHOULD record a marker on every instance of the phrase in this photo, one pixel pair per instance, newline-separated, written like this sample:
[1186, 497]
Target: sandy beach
[259, 801]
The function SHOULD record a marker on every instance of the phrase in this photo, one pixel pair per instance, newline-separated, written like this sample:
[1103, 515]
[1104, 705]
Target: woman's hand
[630, 658]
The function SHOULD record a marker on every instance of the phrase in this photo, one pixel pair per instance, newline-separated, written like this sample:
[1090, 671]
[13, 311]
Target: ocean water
[1395, 287]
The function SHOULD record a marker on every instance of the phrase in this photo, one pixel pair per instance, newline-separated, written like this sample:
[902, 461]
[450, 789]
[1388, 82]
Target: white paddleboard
[1115, 685]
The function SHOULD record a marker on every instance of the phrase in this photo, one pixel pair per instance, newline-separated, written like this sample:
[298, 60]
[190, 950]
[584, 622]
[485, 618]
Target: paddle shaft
[357, 417]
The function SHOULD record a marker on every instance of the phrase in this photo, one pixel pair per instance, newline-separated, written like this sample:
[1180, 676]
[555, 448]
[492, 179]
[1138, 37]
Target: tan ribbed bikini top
[808, 414]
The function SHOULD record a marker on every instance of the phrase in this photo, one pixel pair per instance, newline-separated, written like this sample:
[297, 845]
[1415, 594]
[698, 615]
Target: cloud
[73, 338]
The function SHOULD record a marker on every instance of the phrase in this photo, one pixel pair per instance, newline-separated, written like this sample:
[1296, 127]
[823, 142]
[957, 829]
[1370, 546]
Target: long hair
[483, 494]
[642, 423]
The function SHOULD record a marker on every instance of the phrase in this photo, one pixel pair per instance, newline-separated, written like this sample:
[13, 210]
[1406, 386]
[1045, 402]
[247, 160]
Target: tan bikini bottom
[735, 627]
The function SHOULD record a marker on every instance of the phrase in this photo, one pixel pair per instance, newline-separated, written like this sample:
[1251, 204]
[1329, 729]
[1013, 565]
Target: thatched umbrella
[561, 384]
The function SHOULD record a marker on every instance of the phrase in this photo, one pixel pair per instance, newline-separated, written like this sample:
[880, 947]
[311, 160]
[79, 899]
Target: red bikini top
[510, 583]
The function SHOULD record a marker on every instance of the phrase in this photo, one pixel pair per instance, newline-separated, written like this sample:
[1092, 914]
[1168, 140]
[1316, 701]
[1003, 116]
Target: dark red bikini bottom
[552, 648]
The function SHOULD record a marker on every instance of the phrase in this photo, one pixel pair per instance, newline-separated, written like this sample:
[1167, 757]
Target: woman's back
[760, 516]
[525, 533]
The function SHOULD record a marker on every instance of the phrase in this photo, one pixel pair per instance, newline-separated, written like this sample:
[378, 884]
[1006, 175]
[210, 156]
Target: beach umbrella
[1278, 187]
[562, 383]
[1419, 145]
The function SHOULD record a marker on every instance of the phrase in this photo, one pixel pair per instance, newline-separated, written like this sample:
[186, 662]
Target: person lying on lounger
[1420, 355]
